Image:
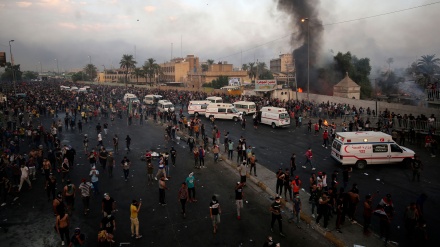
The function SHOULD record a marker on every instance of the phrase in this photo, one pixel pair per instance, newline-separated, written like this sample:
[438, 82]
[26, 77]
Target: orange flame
[325, 123]
[300, 90]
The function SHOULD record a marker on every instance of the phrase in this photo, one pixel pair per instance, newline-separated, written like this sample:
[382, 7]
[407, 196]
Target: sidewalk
[352, 234]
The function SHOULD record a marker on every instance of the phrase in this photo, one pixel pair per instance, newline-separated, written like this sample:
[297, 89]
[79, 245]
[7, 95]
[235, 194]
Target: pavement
[29, 220]
[352, 233]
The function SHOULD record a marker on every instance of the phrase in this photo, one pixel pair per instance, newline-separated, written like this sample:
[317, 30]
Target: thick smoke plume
[297, 10]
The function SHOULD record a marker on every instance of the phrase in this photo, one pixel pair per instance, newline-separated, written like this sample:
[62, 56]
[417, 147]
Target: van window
[252, 106]
[229, 110]
[395, 148]
[284, 116]
[337, 146]
[204, 106]
[380, 148]
[221, 110]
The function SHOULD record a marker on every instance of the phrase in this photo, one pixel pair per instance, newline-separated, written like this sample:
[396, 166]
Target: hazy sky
[236, 31]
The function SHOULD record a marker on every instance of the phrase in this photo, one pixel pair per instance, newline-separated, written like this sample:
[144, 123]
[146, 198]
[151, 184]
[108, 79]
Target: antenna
[181, 46]
[171, 52]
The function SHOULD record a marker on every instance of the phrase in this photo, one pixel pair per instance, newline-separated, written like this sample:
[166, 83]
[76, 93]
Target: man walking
[275, 208]
[182, 196]
[162, 188]
[214, 212]
[95, 180]
[239, 198]
[416, 166]
[134, 210]
[173, 154]
[84, 187]
[125, 164]
[309, 156]
[191, 184]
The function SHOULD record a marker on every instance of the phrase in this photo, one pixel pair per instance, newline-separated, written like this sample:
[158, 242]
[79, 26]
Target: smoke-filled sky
[236, 31]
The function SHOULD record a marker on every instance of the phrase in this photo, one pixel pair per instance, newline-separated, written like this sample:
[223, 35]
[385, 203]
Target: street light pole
[104, 72]
[58, 68]
[308, 56]
[12, 65]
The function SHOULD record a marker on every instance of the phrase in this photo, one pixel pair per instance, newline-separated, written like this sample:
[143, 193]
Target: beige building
[347, 88]
[283, 68]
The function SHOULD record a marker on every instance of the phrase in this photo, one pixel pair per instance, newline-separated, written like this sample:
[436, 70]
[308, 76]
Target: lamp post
[308, 56]
[12, 64]
[104, 72]
[58, 68]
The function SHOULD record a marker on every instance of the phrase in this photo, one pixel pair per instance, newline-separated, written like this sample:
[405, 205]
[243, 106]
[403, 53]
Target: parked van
[82, 90]
[197, 107]
[275, 116]
[368, 148]
[245, 107]
[131, 97]
[215, 99]
[65, 88]
[222, 111]
[152, 99]
[165, 106]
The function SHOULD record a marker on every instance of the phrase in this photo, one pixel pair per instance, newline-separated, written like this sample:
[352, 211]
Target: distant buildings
[283, 69]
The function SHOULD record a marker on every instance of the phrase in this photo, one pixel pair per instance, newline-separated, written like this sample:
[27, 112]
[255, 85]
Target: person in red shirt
[325, 138]
[316, 129]
[309, 156]
[296, 185]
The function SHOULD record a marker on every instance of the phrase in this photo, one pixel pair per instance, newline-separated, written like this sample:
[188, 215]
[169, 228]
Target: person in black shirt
[214, 212]
[108, 204]
[173, 154]
[128, 142]
[108, 223]
[239, 198]
[275, 208]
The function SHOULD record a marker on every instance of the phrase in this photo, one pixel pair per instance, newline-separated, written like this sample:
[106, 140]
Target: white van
[214, 99]
[131, 97]
[368, 147]
[222, 111]
[65, 88]
[246, 107]
[74, 88]
[152, 99]
[165, 106]
[197, 107]
[82, 90]
[275, 116]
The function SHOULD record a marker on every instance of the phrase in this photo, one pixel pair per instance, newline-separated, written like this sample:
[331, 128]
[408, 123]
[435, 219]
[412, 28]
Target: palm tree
[428, 65]
[157, 72]
[91, 71]
[261, 68]
[210, 61]
[245, 67]
[389, 62]
[138, 72]
[127, 62]
[251, 72]
[150, 68]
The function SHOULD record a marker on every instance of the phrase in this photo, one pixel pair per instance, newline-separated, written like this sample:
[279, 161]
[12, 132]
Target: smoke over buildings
[308, 35]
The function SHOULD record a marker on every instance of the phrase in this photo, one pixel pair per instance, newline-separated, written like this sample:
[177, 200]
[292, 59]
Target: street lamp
[104, 72]
[12, 64]
[58, 68]
[308, 56]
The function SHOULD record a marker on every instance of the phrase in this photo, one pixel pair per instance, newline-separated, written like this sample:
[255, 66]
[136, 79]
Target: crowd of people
[30, 141]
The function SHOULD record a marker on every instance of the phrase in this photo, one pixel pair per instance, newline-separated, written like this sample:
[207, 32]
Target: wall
[381, 106]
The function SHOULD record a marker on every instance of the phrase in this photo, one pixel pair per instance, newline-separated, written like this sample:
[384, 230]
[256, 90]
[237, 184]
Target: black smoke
[307, 36]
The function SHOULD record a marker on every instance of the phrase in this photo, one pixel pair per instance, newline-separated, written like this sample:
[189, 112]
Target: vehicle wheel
[273, 125]
[196, 114]
[361, 164]
[235, 119]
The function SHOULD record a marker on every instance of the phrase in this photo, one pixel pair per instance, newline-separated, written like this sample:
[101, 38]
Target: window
[284, 116]
[380, 148]
[204, 106]
[395, 148]
[337, 146]
[221, 110]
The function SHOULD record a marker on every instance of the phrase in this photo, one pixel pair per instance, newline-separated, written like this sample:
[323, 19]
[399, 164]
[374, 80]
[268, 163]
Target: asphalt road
[29, 221]
[274, 147]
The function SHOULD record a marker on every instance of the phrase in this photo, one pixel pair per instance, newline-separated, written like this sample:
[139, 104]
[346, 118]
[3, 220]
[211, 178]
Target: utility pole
[12, 65]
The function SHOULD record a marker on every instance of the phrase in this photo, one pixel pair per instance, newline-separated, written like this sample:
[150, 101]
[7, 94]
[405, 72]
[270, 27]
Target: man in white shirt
[24, 177]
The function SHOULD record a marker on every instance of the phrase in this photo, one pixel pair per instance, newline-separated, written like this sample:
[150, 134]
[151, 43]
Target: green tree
[210, 61]
[79, 76]
[127, 62]
[138, 72]
[428, 66]
[150, 68]
[218, 83]
[252, 71]
[266, 75]
[91, 71]
[205, 67]
[11, 72]
[30, 75]
[244, 67]
[358, 70]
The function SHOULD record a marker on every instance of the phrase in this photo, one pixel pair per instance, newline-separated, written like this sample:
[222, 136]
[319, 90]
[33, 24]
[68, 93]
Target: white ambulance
[165, 106]
[368, 148]
[197, 107]
[152, 99]
[246, 107]
[222, 111]
[275, 116]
